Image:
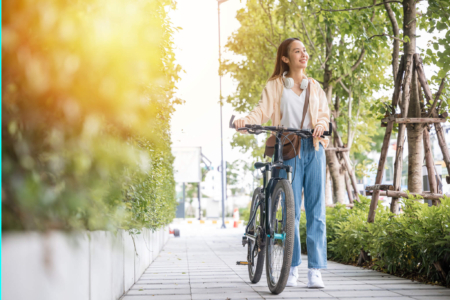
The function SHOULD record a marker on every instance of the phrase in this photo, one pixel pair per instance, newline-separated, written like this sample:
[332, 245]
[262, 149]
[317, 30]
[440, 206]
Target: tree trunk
[415, 141]
[415, 131]
[337, 177]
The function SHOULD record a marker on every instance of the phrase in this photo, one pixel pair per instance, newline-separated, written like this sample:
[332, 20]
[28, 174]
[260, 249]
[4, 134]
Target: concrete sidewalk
[201, 264]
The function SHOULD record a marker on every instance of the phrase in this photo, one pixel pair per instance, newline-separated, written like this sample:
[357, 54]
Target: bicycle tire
[277, 279]
[255, 271]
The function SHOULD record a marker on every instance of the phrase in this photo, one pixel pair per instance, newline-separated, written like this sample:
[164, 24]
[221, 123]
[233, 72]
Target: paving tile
[430, 292]
[377, 293]
[223, 296]
[202, 266]
[137, 286]
[429, 298]
[401, 286]
[157, 297]
[160, 292]
[378, 298]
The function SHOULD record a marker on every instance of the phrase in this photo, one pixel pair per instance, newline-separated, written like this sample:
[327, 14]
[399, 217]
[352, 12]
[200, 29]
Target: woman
[283, 104]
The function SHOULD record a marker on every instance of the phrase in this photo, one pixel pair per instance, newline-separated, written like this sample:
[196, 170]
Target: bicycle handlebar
[279, 128]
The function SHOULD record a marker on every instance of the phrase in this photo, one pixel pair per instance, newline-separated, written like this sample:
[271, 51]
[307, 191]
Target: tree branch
[326, 59]
[269, 15]
[436, 98]
[395, 30]
[345, 88]
[353, 68]
[267, 39]
[359, 8]
[318, 25]
[384, 34]
[309, 38]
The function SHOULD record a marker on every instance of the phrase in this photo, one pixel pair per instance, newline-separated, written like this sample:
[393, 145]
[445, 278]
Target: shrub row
[415, 243]
[88, 93]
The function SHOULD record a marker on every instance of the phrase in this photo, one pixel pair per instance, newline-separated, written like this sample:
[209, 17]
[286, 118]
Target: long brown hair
[281, 66]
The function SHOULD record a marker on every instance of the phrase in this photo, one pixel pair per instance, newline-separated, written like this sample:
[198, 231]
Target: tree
[412, 84]
[342, 58]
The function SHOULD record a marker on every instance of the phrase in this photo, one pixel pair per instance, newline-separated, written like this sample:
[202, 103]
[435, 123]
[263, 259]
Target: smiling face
[298, 57]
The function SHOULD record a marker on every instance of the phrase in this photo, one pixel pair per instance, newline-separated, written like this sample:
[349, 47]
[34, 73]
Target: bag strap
[305, 107]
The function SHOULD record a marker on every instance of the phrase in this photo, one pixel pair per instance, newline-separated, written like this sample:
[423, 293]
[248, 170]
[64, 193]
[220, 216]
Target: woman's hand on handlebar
[239, 124]
[318, 131]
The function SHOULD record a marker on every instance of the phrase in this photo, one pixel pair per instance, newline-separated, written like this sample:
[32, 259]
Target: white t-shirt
[291, 106]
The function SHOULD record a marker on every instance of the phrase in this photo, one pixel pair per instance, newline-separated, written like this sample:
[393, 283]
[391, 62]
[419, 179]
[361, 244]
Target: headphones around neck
[289, 82]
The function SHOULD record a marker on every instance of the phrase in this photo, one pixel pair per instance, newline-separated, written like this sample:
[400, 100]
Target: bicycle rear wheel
[280, 244]
[255, 250]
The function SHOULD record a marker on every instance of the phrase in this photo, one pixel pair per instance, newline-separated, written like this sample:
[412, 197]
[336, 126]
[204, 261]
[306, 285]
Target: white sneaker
[293, 276]
[315, 279]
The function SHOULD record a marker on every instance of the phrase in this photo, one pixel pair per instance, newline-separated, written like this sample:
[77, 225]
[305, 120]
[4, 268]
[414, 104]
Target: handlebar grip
[328, 133]
[231, 122]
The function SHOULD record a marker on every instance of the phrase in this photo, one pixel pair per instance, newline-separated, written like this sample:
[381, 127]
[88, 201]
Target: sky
[197, 121]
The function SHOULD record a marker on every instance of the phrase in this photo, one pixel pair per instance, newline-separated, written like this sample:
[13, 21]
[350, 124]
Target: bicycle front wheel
[255, 254]
[280, 244]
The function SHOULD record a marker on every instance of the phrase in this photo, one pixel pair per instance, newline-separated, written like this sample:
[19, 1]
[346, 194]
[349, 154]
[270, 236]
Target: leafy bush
[87, 100]
[416, 242]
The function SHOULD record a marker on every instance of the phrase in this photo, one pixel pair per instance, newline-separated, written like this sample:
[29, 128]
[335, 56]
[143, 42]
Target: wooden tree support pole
[380, 187]
[349, 189]
[405, 66]
[415, 120]
[381, 163]
[347, 162]
[437, 126]
[397, 194]
[430, 164]
[443, 146]
[338, 149]
[398, 165]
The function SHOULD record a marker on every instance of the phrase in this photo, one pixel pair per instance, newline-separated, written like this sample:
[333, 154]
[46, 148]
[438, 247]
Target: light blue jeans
[310, 176]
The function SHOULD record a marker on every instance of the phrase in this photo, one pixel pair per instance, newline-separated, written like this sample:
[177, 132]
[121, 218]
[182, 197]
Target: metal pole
[199, 191]
[222, 169]
[184, 199]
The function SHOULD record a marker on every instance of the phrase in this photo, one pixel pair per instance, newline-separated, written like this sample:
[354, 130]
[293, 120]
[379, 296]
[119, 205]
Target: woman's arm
[323, 116]
[263, 111]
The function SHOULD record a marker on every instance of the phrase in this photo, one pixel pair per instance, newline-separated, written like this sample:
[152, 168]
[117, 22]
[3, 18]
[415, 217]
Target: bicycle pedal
[242, 263]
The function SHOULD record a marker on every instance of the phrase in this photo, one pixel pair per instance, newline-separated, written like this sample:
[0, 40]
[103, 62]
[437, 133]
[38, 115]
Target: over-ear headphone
[289, 82]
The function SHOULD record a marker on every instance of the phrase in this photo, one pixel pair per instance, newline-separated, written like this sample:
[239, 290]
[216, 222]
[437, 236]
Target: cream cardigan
[269, 108]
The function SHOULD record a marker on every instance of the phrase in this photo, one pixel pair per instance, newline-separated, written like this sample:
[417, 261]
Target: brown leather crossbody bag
[292, 142]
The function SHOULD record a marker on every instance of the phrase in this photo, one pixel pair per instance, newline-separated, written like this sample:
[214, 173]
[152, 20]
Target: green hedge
[88, 93]
[411, 243]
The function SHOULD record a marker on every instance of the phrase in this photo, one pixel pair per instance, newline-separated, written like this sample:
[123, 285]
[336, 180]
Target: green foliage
[87, 100]
[437, 19]
[266, 23]
[410, 243]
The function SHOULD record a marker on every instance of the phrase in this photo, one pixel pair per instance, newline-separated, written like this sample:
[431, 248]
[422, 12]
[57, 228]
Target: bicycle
[271, 227]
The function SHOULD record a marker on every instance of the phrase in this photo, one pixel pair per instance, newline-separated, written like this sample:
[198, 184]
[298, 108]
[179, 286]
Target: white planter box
[87, 265]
